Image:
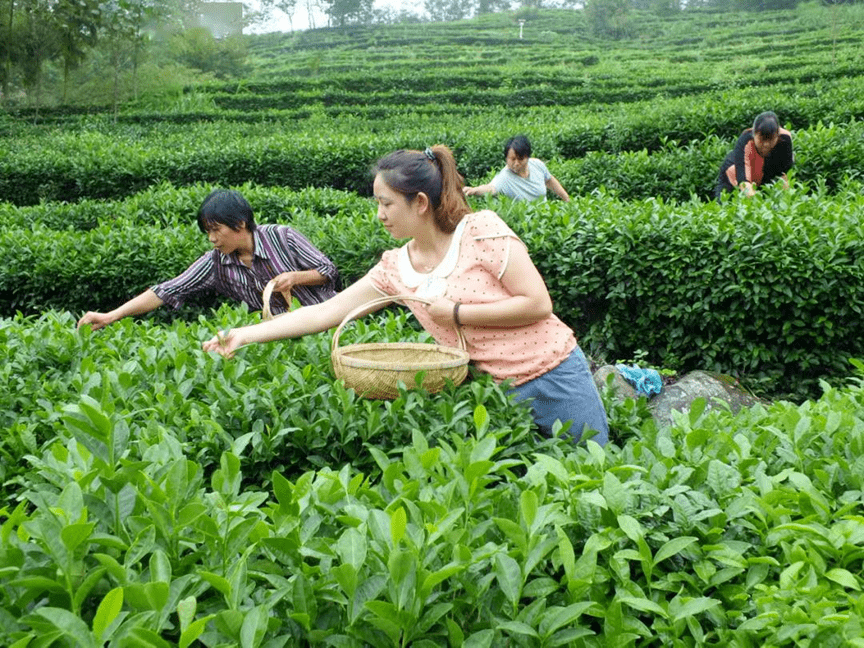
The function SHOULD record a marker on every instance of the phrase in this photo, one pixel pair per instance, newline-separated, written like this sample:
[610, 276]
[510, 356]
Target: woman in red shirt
[761, 155]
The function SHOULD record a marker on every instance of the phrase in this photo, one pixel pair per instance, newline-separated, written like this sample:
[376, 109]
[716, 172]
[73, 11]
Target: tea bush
[742, 287]
[149, 514]
[638, 162]
[767, 288]
[157, 496]
[106, 252]
[279, 402]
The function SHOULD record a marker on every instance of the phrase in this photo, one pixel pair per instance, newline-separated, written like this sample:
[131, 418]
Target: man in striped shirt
[244, 258]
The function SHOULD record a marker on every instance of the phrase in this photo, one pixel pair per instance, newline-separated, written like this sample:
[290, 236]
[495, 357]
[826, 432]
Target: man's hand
[143, 303]
[95, 320]
[285, 282]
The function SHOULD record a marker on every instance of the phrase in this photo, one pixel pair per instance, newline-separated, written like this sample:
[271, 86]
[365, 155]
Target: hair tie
[429, 153]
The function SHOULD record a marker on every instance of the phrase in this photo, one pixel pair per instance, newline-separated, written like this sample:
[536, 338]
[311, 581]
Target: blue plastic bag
[645, 381]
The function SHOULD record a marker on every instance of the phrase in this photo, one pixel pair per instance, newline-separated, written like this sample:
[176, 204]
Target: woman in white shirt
[523, 177]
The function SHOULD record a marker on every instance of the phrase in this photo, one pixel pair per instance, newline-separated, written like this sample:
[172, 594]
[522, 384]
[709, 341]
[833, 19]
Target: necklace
[421, 264]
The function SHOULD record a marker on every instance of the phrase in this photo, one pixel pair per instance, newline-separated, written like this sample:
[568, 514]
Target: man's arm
[287, 280]
[143, 303]
[302, 263]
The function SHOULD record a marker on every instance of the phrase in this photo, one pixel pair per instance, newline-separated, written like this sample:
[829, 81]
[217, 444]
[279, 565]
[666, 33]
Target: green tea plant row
[770, 288]
[546, 82]
[824, 156]
[664, 55]
[167, 206]
[742, 287]
[64, 165]
[279, 400]
[517, 72]
[583, 92]
[161, 507]
[558, 38]
[722, 109]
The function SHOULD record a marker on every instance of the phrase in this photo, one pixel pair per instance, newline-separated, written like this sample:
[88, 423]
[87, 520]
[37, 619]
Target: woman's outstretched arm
[297, 323]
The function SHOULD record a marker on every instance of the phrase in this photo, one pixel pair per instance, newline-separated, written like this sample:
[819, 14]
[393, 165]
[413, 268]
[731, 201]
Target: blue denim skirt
[566, 393]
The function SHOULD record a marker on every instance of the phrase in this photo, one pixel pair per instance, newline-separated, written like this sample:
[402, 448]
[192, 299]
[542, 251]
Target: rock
[680, 395]
[699, 384]
[623, 389]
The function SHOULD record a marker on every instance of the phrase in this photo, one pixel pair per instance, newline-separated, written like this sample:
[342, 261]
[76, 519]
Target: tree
[122, 38]
[78, 23]
[492, 6]
[197, 48]
[287, 7]
[311, 5]
[608, 17]
[6, 44]
[37, 42]
[347, 12]
[447, 10]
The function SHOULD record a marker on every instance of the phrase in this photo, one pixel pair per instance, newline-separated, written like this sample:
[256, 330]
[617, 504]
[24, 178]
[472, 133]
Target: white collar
[436, 278]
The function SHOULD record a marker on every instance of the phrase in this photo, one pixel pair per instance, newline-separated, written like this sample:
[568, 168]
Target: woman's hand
[479, 190]
[441, 310]
[225, 344]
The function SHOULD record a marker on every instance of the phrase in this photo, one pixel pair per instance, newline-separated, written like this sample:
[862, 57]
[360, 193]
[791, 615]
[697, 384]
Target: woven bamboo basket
[374, 369]
[266, 313]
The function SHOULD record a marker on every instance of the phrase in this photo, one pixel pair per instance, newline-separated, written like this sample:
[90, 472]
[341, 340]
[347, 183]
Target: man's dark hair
[520, 145]
[227, 207]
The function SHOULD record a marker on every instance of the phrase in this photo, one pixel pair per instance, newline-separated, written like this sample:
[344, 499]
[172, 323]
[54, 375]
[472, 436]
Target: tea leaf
[843, 577]
[693, 607]
[160, 567]
[108, 610]
[351, 547]
[398, 524]
[481, 419]
[346, 576]
[480, 639]
[83, 591]
[147, 596]
[186, 612]
[643, 605]
[68, 623]
[193, 631]
[528, 503]
[673, 547]
[75, 534]
[254, 626]
[614, 493]
[509, 576]
[517, 627]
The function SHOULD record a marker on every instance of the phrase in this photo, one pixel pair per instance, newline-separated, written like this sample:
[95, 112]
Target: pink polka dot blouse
[471, 273]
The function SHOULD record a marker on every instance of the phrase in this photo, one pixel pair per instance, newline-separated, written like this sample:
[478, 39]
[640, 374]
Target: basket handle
[365, 308]
[266, 313]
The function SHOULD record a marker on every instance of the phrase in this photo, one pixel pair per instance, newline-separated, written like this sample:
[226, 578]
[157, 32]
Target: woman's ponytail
[433, 172]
